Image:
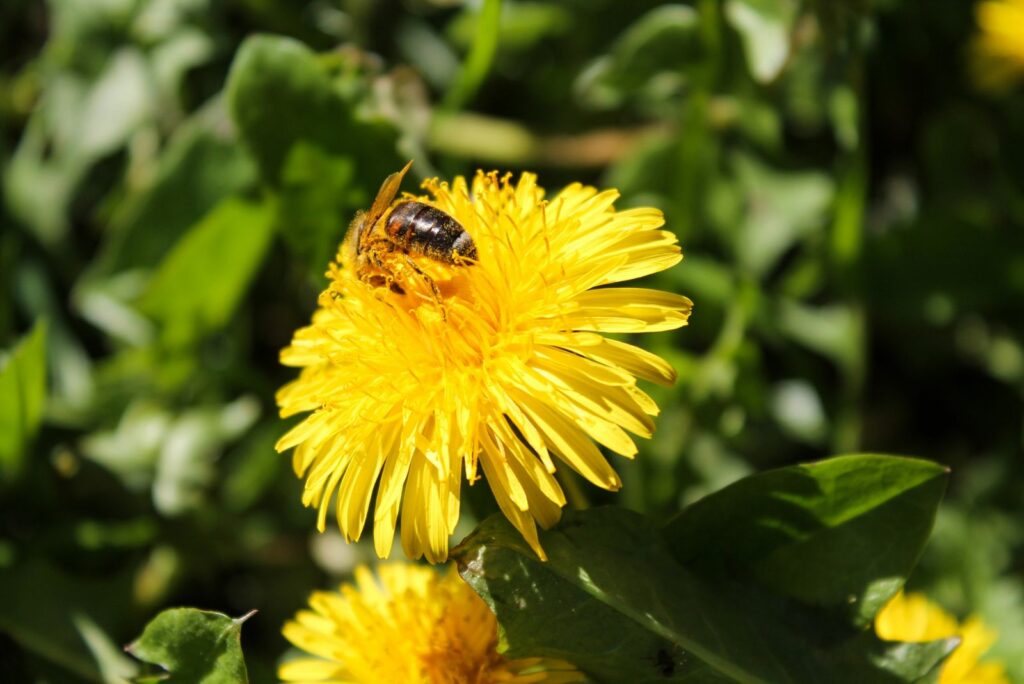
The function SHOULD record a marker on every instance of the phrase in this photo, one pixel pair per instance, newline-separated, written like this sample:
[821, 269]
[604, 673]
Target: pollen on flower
[446, 632]
[497, 367]
[913, 617]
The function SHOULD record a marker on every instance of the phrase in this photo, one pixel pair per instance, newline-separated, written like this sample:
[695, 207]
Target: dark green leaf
[194, 646]
[44, 609]
[590, 605]
[840, 534]
[22, 398]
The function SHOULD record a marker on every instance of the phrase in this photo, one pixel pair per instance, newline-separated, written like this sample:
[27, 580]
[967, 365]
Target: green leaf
[186, 466]
[831, 330]
[199, 167]
[522, 27]
[279, 93]
[22, 398]
[765, 27]
[319, 194]
[194, 646]
[841, 534]
[78, 121]
[198, 285]
[42, 606]
[613, 600]
[646, 62]
[781, 208]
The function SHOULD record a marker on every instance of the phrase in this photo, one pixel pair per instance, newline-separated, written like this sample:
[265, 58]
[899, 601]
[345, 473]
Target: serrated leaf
[22, 398]
[839, 534]
[198, 285]
[194, 646]
[591, 605]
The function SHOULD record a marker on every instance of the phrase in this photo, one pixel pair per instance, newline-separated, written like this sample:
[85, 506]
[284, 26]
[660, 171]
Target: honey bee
[382, 248]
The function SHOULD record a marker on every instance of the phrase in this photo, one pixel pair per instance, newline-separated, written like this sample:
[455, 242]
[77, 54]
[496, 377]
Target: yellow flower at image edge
[999, 45]
[415, 626]
[495, 367]
[912, 617]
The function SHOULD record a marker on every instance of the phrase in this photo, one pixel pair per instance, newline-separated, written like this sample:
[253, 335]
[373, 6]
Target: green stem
[847, 246]
[481, 55]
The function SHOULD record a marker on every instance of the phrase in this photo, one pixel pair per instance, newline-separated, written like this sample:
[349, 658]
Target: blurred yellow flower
[912, 617]
[414, 626]
[999, 46]
[505, 371]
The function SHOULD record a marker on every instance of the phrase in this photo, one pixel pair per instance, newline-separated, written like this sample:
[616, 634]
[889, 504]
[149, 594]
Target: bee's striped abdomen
[422, 229]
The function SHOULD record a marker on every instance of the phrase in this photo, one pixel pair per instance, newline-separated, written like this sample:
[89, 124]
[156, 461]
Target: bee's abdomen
[423, 229]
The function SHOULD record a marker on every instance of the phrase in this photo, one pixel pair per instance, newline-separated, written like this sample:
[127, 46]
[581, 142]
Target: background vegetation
[178, 173]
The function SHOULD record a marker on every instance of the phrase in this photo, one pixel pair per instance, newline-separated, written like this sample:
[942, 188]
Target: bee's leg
[381, 275]
[430, 282]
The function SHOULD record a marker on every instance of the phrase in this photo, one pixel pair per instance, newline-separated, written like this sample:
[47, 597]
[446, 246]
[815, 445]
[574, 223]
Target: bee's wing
[387, 192]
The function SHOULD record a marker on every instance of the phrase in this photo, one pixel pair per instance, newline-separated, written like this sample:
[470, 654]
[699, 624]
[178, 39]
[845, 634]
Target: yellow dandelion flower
[912, 617]
[999, 45]
[414, 626]
[495, 365]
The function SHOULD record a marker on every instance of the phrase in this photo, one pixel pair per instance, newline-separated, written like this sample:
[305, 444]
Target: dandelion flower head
[999, 45]
[912, 617]
[503, 375]
[413, 625]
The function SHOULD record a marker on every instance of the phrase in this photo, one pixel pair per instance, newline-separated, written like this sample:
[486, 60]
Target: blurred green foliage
[177, 174]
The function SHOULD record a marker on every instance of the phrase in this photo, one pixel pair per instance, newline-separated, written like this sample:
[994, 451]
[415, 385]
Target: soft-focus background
[846, 178]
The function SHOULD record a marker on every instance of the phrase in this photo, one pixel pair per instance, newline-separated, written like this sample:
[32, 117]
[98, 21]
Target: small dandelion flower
[494, 364]
[415, 626]
[912, 617]
[999, 45]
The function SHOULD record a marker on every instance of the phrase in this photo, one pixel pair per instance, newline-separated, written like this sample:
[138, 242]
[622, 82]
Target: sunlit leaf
[612, 599]
[841, 534]
[22, 398]
[200, 282]
[765, 27]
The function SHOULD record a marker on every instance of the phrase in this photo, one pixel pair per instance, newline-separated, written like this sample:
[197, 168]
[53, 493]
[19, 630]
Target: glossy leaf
[588, 604]
[840, 534]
